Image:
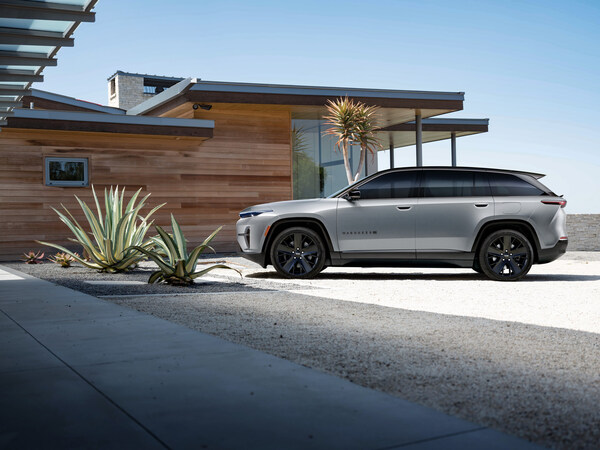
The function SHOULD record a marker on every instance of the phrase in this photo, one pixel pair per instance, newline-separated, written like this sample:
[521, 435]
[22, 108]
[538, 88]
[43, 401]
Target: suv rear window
[450, 183]
[506, 185]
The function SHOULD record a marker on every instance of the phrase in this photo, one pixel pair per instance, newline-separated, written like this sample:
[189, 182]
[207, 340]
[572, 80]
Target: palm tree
[352, 122]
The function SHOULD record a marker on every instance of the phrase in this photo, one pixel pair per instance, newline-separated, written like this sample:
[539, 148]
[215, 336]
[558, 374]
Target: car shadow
[375, 276]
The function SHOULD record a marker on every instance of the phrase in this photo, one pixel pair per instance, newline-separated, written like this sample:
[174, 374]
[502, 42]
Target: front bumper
[257, 258]
[550, 254]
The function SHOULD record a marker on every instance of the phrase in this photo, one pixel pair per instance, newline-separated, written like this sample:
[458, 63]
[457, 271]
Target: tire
[298, 252]
[505, 255]
[476, 267]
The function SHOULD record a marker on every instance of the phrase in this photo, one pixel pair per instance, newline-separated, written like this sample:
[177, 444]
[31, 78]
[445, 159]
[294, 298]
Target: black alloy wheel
[298, 253]
[506, 255]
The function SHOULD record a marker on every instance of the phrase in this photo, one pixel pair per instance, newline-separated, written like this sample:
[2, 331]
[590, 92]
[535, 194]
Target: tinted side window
[391, 185]
[506, 185]
[447, 183]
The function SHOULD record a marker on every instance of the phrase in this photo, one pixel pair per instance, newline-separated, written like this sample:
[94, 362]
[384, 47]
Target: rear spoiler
[535, 175]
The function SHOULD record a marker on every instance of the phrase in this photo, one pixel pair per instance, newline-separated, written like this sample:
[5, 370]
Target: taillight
[561, 203]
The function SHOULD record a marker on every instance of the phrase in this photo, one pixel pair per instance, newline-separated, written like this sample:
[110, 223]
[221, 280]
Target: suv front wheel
[505, 255]
[298, 252]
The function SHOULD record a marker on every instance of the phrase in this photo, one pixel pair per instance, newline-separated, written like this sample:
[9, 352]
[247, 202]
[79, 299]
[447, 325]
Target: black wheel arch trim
[504, 223]
[277, 226]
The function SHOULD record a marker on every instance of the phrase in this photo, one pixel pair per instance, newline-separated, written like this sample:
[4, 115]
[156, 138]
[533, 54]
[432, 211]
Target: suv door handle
[481, 205]
[403, 208]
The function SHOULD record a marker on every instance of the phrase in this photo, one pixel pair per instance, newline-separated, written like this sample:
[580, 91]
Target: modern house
[208, 149]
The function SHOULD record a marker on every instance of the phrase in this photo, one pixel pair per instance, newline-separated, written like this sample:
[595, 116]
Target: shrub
[176, 266]
[116, 235]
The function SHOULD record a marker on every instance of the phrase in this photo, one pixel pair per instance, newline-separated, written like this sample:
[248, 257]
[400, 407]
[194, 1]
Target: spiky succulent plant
[176, 265]
[62, 259]
[115, 235]
[33, 257]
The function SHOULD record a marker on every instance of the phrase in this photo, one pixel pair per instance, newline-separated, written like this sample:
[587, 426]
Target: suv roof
[534, 175]
[483, 169]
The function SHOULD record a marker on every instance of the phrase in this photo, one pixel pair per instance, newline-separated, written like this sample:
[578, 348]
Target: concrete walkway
[79, 372]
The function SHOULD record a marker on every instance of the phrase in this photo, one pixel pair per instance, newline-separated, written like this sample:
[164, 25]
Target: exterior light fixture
[205, 107]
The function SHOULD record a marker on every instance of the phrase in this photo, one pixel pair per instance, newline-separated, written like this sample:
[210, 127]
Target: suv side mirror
[353, 195]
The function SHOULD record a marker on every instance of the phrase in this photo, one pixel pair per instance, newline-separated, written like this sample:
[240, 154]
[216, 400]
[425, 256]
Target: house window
[66, 172]
[113, 87]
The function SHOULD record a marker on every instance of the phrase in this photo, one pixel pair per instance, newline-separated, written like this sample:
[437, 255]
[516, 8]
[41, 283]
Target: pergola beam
[17, 36]
[25, 59]
[12, 91]
[22, 9]
[9, 104]
[19, 75]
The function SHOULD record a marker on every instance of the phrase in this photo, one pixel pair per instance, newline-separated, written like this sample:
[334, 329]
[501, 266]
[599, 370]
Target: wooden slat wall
[205, 183]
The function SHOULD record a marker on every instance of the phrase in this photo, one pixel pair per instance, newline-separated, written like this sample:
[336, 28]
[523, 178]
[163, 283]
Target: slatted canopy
[31, 34]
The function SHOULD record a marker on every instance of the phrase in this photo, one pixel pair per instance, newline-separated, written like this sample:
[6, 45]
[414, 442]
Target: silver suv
[497, 222]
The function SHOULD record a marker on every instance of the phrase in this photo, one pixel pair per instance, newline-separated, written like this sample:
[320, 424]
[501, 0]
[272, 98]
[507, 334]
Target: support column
[391, 156]
[366, 163]
[453, 146]
[419, 139]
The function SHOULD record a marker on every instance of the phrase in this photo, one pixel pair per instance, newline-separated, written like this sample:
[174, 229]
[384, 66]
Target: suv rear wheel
[505, 255]
[298, 252]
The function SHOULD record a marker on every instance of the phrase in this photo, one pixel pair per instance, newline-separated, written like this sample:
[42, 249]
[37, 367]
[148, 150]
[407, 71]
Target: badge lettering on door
[358, 232]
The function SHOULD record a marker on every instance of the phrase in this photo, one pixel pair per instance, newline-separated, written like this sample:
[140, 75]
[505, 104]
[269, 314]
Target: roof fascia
[58, 98]
[112, 118]
[164, 97]
[218, 86]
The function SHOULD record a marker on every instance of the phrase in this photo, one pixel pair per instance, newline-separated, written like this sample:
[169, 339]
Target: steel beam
[12, 91]
[453, 148]
[19, 75]
[23, 9]
[8, 58]
[17, 36]
[10, 104]
[419, 138]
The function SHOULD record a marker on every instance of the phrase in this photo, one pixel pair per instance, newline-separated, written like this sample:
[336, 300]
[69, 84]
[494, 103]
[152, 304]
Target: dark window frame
[66, 183]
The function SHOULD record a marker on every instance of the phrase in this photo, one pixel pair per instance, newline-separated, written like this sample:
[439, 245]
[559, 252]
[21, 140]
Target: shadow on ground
[376, 276]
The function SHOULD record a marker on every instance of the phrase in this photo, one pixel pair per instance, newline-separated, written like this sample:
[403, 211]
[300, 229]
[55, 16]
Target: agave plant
[115, 233]
[176, 265]
[33, 258]
[62, 259]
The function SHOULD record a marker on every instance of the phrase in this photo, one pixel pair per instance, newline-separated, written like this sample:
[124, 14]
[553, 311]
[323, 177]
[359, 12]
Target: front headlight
[246, 213]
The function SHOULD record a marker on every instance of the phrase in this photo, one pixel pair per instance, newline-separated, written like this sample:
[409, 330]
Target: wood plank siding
[204, 182]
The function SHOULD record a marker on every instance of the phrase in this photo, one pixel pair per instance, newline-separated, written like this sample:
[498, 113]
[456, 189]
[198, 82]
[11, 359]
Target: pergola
[428, 130]
[31, 34]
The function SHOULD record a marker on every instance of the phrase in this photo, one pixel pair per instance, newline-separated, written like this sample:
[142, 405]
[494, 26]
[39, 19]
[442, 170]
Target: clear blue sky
[531, 67]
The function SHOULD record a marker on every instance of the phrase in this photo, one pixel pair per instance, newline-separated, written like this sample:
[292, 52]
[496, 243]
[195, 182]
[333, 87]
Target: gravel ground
[521, 357]
[135, 282]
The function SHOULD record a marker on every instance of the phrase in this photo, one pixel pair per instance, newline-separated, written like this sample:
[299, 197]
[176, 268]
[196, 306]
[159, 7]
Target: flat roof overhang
[31, 34]
[303, 101]
[49, 100]
[403, 135]
[109, 123]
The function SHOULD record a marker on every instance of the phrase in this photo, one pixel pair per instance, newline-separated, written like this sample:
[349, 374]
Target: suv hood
[283, 205]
